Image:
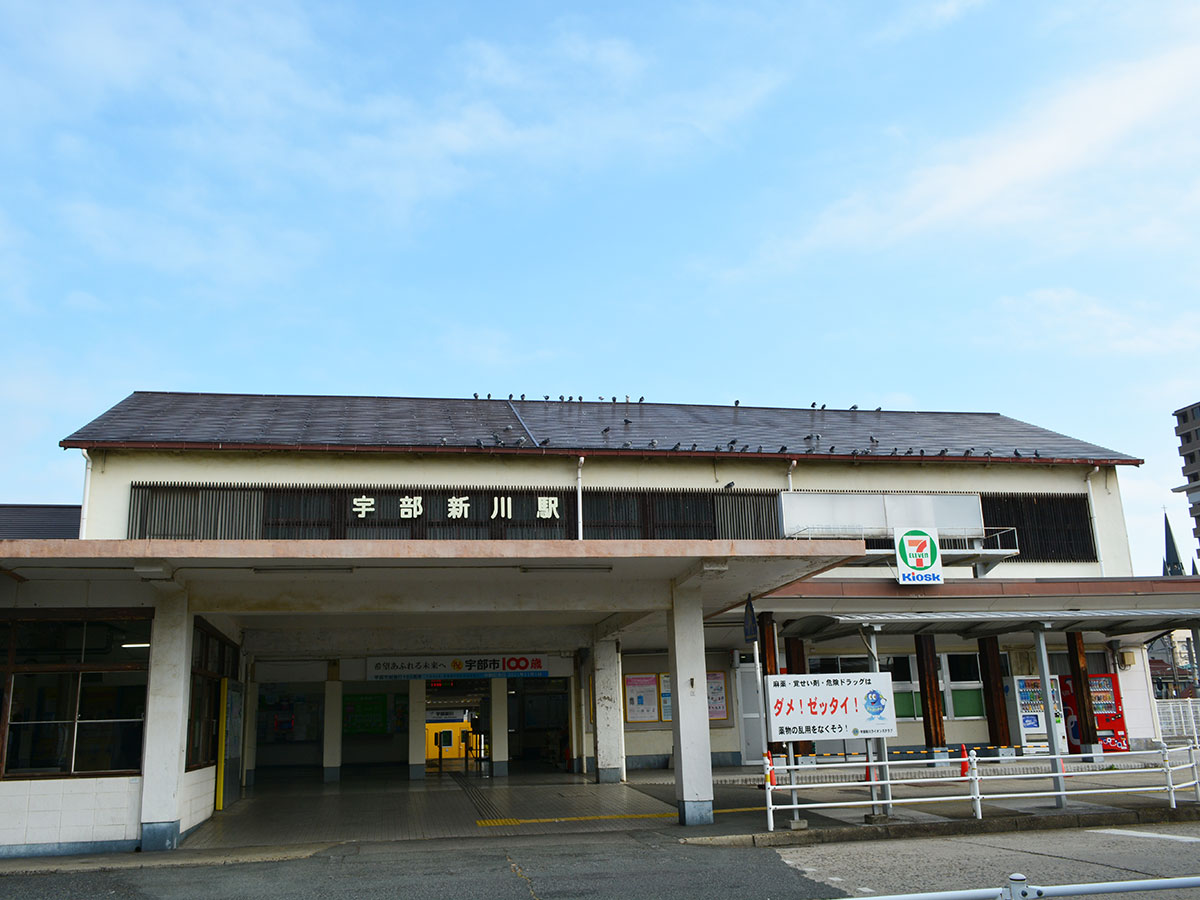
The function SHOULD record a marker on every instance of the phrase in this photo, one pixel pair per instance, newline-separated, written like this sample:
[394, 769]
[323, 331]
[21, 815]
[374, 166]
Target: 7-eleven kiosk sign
[918, 558]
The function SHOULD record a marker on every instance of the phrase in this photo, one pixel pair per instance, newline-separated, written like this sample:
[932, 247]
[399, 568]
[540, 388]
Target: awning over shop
[976, 625]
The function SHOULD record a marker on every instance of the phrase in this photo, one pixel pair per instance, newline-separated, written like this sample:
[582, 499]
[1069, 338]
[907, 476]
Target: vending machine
[1110, 714]
[1028, 720]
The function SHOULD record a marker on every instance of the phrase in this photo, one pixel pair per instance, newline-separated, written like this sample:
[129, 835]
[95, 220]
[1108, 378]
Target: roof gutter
[87, 490]
[1092, 515]
[591, 451]
[579, 496]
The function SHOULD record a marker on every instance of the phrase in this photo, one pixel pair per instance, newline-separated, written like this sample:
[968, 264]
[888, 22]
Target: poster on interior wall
[364, 714]
[841, 707]
[641, 698]
[717, 704]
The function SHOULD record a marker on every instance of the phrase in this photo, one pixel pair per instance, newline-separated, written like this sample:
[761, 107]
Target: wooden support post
[993, 691]
[797, 664]
[770, 660]
[1085, 712]
[933, 710]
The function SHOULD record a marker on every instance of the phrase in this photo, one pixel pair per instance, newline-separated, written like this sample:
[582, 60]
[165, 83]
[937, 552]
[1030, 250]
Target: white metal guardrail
[1018, 888]
[977, 785]
[1179, 719]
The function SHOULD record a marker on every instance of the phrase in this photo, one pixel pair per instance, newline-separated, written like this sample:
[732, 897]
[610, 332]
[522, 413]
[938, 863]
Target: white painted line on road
[1146, 834]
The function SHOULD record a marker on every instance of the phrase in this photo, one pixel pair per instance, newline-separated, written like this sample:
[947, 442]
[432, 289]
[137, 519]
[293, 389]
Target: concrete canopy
[493, 593]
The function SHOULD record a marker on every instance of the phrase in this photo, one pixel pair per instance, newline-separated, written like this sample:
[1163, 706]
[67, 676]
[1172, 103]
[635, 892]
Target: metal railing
[977, 785]
[1019, 888]
[1179, 719]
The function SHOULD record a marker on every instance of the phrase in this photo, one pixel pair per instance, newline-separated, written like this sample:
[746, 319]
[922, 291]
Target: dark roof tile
[38, 521]
[157, 419]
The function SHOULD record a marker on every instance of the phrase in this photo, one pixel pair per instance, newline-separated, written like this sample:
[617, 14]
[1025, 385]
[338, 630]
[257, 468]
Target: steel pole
[1056, 749]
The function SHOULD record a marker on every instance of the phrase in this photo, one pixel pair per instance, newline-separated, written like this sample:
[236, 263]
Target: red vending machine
[1110, 714]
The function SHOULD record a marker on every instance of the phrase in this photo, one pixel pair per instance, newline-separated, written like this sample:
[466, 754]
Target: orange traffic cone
[962, 769]
[770, 768]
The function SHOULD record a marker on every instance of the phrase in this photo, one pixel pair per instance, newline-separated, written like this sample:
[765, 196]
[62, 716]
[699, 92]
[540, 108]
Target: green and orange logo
[918, 550]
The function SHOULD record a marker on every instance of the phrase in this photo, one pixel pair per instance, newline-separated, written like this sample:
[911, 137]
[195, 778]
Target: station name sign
[918, 556]
[424, 668]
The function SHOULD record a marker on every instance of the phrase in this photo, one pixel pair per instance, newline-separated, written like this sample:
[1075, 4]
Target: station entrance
[295, 721]
[459, 722]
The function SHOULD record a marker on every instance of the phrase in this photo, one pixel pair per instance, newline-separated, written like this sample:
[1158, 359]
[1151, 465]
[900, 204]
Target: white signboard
[918, 556]
[816, 514]
[525, 665]
[824, 707]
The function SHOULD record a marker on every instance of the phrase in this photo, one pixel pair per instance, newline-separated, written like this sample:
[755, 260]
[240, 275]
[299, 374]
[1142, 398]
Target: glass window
[199, 648]
[202, 722]
[112, 695]
[967, 703]
[38, 747]
[49, 642]
[117, 641]
[66, 722]
[823, 665]
[854, 664]
[963, 666]
[42, 723]
[108, 747]
[899, 666]
[908, 705]
[48, 697]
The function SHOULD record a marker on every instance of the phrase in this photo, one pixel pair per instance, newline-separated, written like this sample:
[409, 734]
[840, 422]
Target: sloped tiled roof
[38, 521]
[164, 420]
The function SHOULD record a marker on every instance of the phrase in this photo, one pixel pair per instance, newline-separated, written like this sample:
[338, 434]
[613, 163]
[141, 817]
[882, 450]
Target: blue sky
[928, 205]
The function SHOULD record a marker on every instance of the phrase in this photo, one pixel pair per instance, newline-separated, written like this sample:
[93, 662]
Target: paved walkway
[297, 815]
[378, 805]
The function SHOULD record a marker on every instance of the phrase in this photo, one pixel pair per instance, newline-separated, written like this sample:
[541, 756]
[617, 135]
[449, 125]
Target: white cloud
[14, 278]
[486, 347]
[926, 16]
[82, 301]
[254, 94]
[1022, 171]
[486, 63]
[1073, 322]
[196, 242]
[611, 58]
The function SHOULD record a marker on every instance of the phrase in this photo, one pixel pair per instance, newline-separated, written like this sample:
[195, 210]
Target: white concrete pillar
[499, 726]
[332, 732]
[416, 730]
[250, 735]
[689, 723]
[167, 696]
[610, 712]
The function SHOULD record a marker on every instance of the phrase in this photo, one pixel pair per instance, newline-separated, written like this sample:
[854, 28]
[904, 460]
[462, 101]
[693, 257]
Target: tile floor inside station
[380, 804]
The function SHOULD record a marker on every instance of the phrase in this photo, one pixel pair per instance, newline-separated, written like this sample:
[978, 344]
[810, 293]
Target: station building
[295, 585]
